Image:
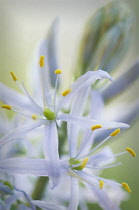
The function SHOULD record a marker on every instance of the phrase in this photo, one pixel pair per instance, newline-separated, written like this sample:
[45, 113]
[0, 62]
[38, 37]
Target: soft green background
[24, 23]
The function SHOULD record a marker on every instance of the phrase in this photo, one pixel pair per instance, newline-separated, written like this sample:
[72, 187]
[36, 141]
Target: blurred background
[24, 23]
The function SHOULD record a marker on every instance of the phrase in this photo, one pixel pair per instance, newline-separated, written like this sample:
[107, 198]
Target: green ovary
[49, 114]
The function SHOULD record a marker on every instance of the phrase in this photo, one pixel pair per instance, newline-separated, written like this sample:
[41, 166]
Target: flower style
[48, 114]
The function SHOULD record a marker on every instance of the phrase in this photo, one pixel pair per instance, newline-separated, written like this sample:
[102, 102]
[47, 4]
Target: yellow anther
[58, 71]
[116, 132]
[84, 162]
[101, 184]
[131, 151]
[34, 117]
[125, 185]
[41, 61]
[66, 92]
[13, 76]
[5, 106]
[94, 127]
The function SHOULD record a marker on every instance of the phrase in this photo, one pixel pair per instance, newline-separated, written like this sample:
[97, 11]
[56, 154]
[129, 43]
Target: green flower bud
[106, 37]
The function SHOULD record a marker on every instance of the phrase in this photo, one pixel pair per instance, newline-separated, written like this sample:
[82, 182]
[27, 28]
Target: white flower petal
[50, 149]
[13, 98]
[102, 158]
[87, 123]
[74, 198]
[37, 108]
[97, 105]
[103, 199]
[44, 205]
[52, 51]
[73, 130]
[37, 167]
[84, 81]
[18, 132]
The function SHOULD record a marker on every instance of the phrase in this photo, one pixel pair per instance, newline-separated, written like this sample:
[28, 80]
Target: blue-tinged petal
[13, 98]
[103, 199]
[10, 200]
[44, 205]
[50, 149]
[2, 205]
[123, 82]
[36, 167]
[5, 188]
[18, 132]
[97, 105]
[23, 207]
[74, 198]
[73, 130]
[87, 123]
[53, 51]
[102, 158]
[84, 81]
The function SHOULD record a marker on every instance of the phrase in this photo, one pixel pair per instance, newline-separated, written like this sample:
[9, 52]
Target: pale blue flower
[26, 106]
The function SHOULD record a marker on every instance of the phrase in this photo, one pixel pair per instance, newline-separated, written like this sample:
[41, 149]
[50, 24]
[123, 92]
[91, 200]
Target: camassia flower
[48, 114]
[83, 168]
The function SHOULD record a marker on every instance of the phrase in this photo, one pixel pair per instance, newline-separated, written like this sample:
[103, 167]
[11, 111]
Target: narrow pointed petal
[97, 105]
[18, 132]
[2, 205]
[87, 123]
[50, 149]
[10, 200]
[13, 98]
[84, 81]
[53, 51]
[103, 199]
[123, 82]
[36, 167]
[44, 205]
[74, 198]
[37, 108]
[73, 130]
[102, 158]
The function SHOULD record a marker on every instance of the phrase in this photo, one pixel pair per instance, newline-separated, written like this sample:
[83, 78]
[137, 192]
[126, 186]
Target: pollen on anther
[131, 151]
[58, 71]
[101, 184]
[125, 185]
[5, 106]
[116, 132]
[84, 162]
[13, 76]
[34, 117]
[94, 127]
[66, 92]
[41, 62]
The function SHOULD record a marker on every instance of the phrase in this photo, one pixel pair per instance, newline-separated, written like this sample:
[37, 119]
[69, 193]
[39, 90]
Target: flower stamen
[6, 106]
[101, 184]
[94, 127]
[58, 71]
[116, 132]
[41, 62]
[125, 185]
[131, 151]
[13, 76]
[66, 92]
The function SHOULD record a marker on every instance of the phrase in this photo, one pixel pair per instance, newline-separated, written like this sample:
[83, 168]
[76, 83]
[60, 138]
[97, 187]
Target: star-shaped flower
[48, 114]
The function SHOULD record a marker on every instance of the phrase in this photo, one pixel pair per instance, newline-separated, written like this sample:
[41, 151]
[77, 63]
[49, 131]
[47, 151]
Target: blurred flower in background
[108, 40]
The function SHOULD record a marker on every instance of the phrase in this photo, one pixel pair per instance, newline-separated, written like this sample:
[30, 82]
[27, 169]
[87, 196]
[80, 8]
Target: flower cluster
[52, 146]
[83, 163]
